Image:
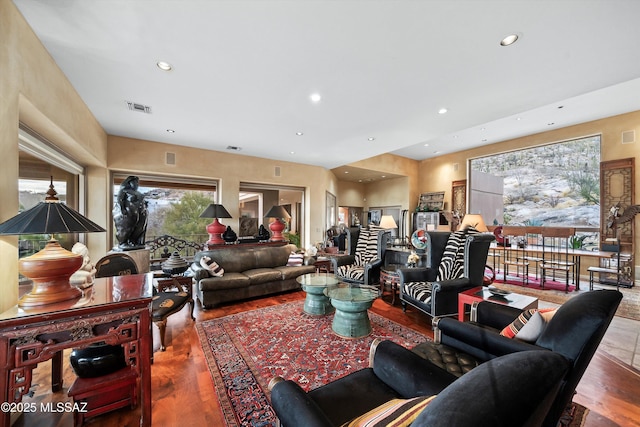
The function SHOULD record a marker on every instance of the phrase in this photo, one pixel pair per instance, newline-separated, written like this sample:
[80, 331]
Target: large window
[39, 163]
[551, 185]
[255, 200]
[174, 205]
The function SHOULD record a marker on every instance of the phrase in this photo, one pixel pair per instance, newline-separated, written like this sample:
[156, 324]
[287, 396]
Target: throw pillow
[394, 413]
[295, 260]
[529, 325]
[211, 266]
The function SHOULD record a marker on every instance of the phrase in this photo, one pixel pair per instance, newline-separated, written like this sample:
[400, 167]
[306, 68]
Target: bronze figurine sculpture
[130, 215]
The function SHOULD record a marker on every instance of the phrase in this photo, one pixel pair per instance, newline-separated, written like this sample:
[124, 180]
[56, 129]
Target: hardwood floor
[183, 393]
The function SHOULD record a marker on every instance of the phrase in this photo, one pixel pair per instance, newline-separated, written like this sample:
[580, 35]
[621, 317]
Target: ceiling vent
[134, 106]
[233, 148]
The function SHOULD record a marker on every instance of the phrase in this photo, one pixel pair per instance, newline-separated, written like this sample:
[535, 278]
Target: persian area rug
[245, 351]
[574, 416]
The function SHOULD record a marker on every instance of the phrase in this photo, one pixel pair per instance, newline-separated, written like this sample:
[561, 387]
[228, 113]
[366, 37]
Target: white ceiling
[244, 71]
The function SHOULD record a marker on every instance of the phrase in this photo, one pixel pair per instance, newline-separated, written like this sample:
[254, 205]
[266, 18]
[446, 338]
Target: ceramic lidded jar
[175, 264]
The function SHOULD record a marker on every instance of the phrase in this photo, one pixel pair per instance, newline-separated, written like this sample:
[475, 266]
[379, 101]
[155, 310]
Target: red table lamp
[216, 228]
[277, 226]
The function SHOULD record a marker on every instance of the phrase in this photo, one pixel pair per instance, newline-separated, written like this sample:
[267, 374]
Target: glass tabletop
[317, 279]
[350, 292]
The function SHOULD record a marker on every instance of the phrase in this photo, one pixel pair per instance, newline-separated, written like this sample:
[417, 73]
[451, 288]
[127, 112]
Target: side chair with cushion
[574, 330]
[364, 266]
[170, 297]
[507, 391]
[455, 262]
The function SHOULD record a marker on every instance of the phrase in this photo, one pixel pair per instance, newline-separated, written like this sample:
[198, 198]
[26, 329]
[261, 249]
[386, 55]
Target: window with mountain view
[174, 206]
[552, 185]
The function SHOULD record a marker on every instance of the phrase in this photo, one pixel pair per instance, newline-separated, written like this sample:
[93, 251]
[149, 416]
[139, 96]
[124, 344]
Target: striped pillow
[529, 325]
[295, 260]
[395, 413]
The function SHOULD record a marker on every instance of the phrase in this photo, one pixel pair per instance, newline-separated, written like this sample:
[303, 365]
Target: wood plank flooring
[183, 393]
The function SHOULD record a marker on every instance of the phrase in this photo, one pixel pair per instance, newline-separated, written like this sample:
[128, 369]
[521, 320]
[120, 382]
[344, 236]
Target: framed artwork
[332, 210]
[459, 196]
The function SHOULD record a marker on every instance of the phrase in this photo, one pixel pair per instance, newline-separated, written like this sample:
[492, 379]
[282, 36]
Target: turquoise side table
[316, 302]
[351, 319]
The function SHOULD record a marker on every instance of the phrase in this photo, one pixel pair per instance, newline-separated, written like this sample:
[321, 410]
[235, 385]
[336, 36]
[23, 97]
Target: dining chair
[557, 261]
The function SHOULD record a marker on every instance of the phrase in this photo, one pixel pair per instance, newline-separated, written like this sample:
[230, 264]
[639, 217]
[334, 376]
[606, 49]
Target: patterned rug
[244, 351]
[574, 416]
[629, 306]
[534, 283]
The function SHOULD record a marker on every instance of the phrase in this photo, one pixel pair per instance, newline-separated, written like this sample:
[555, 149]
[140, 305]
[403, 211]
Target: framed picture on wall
[374, 216]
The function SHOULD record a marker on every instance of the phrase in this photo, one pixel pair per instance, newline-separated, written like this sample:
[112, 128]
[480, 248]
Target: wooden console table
[115, 310]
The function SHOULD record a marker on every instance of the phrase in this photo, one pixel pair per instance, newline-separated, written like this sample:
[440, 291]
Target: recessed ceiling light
[442, 111]
[383, 176]
[483, 128]
[171, 131]
[509, 40]
[346, 171]
[518, 118]
[164, 66]
[426, 145]
[315, 97]
[299, 133]
[292, 152]
[436, 152]
[371, 138]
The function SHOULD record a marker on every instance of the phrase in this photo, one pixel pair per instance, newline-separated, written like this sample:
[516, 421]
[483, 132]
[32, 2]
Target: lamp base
[215, 230]
[276, 227]
[50, 270]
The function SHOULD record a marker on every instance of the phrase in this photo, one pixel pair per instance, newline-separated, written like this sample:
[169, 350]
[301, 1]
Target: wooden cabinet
[617, 179]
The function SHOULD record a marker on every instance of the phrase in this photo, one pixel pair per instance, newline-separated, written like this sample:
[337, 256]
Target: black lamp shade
[48, 218]
[277, 211]
[215, 210]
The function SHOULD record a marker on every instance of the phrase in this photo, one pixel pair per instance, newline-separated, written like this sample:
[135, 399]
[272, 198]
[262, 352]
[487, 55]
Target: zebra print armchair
[363, 267]
[455, 263]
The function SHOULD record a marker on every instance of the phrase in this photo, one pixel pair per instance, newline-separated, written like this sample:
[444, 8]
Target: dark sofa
[248, 273]
[507, 391]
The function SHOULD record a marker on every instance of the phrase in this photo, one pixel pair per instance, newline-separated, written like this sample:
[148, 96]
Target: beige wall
[436, 174]
[34, 91]
[139, 156]
[401, 191]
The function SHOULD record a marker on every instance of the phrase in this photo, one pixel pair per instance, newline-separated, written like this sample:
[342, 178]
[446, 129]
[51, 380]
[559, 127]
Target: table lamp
[388, 222]
[475, 221]
[51, 268]
[216, 228]
[277, 226]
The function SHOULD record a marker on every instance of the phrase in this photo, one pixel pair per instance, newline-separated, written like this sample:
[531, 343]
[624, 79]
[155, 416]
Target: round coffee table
[351, 303]
[314, 284]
